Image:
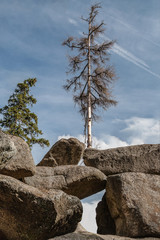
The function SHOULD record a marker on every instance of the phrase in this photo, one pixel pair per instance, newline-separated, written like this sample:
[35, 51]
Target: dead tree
[91, 78]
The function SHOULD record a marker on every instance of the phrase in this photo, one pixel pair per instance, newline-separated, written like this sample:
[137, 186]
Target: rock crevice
[47, 206]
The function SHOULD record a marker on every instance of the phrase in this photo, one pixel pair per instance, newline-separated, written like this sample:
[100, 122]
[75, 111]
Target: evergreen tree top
[18, 119]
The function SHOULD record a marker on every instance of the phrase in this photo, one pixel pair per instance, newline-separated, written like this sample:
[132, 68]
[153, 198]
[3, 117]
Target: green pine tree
[17, 119]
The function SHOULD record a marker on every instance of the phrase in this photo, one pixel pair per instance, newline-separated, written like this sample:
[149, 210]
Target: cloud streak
[132, 58]
[131, 28]
[72, 21]
[127, 55]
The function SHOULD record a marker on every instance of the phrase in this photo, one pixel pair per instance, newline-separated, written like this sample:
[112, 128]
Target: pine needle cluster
[17, 119]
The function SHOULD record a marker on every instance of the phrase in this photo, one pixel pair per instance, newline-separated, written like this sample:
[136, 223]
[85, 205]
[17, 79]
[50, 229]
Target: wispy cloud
[138, 131]
[127, 55]
[132, 28]
[72, 21]
[142, 130]
[132, 58]
[101, 143]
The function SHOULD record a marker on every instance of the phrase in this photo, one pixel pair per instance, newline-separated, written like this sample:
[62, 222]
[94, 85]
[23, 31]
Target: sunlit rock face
[133, 200]
[30, 214]
[46, 204]
[15, 157]
[139, 158]
[64, 152]
[80, 181]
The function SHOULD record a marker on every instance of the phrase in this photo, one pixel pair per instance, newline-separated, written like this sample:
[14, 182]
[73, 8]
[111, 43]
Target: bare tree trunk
[90, 84]
[89, 120]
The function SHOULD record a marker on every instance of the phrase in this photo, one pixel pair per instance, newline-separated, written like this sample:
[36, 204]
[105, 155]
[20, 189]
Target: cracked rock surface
[15, 157]
[134, 203]
[143, 158]
[80, 181]
[27, 213]
[64, 152]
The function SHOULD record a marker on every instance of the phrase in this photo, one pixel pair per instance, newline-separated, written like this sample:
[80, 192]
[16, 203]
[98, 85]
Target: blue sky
[30, 46]
[32, 32]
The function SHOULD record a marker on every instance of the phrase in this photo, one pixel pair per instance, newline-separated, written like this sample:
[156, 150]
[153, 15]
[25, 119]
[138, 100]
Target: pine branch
[17, 119]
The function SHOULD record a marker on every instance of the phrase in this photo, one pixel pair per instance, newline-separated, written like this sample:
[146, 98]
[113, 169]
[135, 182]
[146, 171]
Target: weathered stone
[68, 209]
[80, 181]
[48, 161]
[139, 158]
[82, 234]
[134, 203]
[64, 152]
[79, 236]
[27, 213]
[105, 223]
[15, 157]
[80, 228]
[91, 236]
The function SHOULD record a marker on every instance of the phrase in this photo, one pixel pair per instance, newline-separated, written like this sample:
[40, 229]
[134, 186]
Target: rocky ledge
[42, 202]
[143, 158]
[80, 181]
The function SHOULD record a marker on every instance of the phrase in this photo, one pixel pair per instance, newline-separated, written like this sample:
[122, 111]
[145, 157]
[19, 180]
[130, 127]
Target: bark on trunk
[89, 133]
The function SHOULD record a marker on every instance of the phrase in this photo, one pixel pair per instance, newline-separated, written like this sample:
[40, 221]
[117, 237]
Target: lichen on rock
[7, 148]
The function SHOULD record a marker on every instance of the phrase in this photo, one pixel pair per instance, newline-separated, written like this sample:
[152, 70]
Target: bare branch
[75, 63]
[92, 84]
[96, 29]
[83, 90]
[85, 19]
[74, 80]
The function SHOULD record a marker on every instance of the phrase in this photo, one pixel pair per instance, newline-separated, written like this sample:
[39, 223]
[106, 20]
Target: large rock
[80, 181]
[84, 235]
[91, 236]
[68, 209]
[140, 158]
[64, 152]
[105, 223]
[134, 203]
[80, 228]
[15, 157]
[27, 213]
